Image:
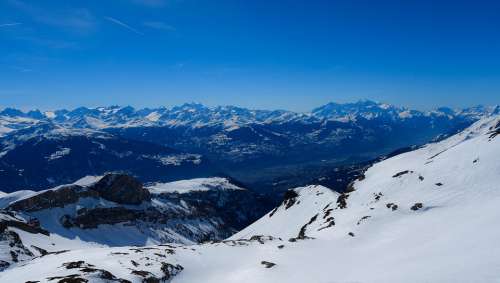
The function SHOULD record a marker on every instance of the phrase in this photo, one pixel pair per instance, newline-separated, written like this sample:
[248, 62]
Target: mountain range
[39, 150]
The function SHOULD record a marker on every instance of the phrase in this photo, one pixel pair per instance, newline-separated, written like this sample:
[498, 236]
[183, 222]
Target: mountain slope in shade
[37, 159]
[423, 216]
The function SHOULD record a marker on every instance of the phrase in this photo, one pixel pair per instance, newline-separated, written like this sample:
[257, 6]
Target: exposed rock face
[289, 198]
[214, 213]
[111, 215]
[122, 189]
[53, 198]
[13, 250]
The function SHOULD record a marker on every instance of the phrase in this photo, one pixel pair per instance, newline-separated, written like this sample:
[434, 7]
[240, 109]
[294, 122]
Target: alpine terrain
[426, 215]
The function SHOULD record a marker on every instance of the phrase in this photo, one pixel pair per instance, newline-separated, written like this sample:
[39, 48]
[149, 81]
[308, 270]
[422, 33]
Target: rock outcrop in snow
[116, 210]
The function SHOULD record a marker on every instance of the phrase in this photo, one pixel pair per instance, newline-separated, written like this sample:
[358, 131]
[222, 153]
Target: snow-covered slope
[193, 185]
[7, 198]
[424, 216]
[300, 212]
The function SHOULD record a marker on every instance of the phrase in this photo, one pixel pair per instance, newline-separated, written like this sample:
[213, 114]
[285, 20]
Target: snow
[176, 159]
[311, 200]
[4, 130]
[153, 116]
[59, 154]
[88, 180]
[450, 237]
[405, 114]
[7, 199]
[193, 185]
[50, 114]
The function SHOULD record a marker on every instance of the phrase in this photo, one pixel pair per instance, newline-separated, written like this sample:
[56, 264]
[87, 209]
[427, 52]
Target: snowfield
[193, 185]
[429, 215]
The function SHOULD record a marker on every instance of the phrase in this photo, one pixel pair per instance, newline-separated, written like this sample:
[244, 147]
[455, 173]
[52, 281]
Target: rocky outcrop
[111, 215]
[58, 197]
[194, 216]
[122, 189]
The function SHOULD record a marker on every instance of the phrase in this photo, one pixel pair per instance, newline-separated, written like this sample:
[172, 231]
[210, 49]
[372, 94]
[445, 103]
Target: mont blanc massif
[355, 192]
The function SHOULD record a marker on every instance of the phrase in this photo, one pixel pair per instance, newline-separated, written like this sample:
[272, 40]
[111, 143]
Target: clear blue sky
[261, 54]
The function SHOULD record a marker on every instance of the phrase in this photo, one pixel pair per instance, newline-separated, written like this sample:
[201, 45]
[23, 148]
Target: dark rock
[4, 265]
[91, 218]
[330, 223]
[170, 270]
[351, 234]
[66, 221]
[421, 178]
[417, 206]
[342, 201]
[495, 131]
[42, 252]
[363, 218]
[399, 174]
[392, 206]
[122, 189]
[439, 184]
[141, 273]
[302, 232]
[76, 264]
[268, 264]
[290, 198]
[73, 278]
[24, 226]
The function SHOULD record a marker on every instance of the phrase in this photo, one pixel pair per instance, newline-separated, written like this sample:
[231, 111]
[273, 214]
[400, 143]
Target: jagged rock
[4, 265]
[342, 201]
[495, 131]
[399, 174]
[122, 189]
[267, 264]
[290, 198]
[417, 206]
[170, 270]
[302, 232]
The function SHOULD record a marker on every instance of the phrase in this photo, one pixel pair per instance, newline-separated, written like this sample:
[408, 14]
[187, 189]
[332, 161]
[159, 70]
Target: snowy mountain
[41, 150]
[426, 215]
[94, 210]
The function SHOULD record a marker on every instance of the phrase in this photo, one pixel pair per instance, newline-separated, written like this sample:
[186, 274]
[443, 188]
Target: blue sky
[260, 54]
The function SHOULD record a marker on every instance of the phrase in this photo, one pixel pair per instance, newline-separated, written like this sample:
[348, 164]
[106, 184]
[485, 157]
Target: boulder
[121, 188]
